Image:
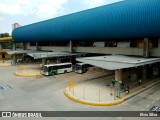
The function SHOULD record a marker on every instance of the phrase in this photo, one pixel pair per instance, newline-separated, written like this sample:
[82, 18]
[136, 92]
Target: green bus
[54, 69]
[81, 67]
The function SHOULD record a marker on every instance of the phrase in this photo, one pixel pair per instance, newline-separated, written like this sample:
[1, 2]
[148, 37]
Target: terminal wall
[111, 50]
[54, 48]
[30, 47]
[102, 50]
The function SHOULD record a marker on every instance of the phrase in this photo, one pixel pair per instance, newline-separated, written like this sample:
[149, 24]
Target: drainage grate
[5, 87]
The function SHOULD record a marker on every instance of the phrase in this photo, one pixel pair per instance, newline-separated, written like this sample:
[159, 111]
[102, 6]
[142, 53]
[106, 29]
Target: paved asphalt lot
[46, 94]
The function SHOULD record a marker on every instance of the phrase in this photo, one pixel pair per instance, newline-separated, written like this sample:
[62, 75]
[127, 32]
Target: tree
[6, 34]
[19, 45]
[2, 35]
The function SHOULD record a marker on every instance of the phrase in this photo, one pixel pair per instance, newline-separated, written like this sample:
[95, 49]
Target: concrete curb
[140, 91]
[5, 65]
[127, 97]
[21, 75]
[92, 103]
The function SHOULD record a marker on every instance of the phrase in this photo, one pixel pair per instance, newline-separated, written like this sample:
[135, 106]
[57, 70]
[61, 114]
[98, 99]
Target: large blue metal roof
[121, 20]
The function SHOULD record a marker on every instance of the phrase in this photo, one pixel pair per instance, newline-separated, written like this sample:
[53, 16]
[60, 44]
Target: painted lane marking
[153, 102]
[147, 106]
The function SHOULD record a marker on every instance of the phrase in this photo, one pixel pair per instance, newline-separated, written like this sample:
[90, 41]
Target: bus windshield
[78, 67]
[45, 69]
[81, 67]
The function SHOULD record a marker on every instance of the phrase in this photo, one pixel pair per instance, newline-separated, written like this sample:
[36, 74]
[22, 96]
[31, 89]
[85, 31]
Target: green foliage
[8, 45]
[19, 45]
[2, 35]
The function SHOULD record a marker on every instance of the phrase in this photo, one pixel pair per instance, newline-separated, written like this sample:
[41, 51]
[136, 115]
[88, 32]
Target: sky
[27, 12]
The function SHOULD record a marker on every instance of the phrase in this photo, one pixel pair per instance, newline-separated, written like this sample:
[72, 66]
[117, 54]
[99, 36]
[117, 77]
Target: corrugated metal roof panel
[113, 62]
[126, 19]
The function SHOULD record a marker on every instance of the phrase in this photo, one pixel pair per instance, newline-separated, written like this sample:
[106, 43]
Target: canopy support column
[1, 46]
[159, 43]
[37, 46]
[146, 48]
[118, 75]
[14, 46]
[71, 46]
[144, 77]
[24, 46]
[43, 61]
[14, 56]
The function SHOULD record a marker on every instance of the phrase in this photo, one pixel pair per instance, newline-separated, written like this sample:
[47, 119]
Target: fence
[28, 70]
[19, 69]
[71, 85]
[101, 93]
[5, 62]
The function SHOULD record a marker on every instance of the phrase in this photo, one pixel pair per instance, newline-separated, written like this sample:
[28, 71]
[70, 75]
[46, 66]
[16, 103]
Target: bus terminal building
[125, 36]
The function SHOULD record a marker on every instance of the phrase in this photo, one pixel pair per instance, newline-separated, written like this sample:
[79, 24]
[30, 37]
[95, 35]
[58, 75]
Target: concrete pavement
[5, 63]
[28, 70]
[99, 93]
[46, 93]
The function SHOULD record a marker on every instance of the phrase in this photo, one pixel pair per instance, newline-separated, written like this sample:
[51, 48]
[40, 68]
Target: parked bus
[57, 68]
[82, 67]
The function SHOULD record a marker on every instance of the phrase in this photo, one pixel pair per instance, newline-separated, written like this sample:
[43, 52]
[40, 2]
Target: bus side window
[64, 66]
[60, 67]
[68, 66]
[56, 67]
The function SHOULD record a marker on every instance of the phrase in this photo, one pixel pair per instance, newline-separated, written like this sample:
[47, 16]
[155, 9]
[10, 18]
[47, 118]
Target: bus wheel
[65, 71]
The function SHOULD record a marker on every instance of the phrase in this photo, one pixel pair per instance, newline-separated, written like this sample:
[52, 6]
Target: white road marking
[153, 102]
[119, 118]
[147, 106]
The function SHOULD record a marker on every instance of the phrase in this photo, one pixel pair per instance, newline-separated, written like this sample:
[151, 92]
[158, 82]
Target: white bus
[57, 68]
[81, 67]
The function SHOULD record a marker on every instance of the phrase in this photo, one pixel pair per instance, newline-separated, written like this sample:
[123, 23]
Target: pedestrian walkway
[98, 92]
[28, 70]
[5, 63]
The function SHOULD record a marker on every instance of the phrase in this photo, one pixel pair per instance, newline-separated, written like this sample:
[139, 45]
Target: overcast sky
[30, 11]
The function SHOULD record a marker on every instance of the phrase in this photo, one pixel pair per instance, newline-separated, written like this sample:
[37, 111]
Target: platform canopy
[17, 52]
[53, 54]
[114, 62]
[44, 54]
[128, 19]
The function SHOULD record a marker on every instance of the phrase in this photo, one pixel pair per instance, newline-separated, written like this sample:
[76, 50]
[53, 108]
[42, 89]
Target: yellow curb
[92, 103]
[22, 75]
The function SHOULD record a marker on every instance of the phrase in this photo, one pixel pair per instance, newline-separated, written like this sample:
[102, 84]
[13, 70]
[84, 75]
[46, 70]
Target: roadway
[46, 94]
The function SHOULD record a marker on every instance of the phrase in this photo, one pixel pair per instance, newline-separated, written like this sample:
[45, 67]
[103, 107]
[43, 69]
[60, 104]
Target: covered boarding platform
[128, 69]
[46, 55]
[21, 53]
[43, 55]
